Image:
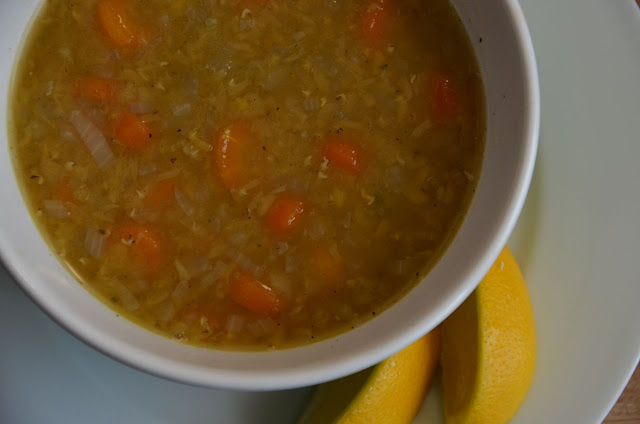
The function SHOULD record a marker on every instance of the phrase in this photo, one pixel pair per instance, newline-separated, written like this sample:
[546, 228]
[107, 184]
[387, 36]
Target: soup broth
[248, 174]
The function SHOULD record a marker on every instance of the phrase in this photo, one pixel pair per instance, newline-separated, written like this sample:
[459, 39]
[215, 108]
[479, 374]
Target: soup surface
[248, 174]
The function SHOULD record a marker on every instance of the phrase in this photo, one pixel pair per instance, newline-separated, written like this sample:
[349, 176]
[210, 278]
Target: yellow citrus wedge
[489, 349]
[390, 392]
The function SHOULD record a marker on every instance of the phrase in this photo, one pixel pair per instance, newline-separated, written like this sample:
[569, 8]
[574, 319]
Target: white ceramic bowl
[503, 46]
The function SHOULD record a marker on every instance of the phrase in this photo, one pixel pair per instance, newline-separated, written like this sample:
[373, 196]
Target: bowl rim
[274, 379]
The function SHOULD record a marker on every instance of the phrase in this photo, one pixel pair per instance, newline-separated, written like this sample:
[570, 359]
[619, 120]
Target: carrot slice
[444, 98]
[133, 132]
[284, 215]
[145, 245]
[327, 268]
[375, 22]
[96, 89]
[229, 154]
[115, 24]
[161, 193]
[344, 154]
[250, 293]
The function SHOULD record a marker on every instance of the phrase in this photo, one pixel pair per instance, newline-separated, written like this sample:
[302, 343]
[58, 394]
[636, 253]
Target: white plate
[578, 242]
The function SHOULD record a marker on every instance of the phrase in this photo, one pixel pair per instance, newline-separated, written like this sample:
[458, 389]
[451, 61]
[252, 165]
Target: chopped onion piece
[299, 35]
[181, 292]
[93, 139]
[143, 214]
[168, 174]
[165, 312]
[299, 186]
[192, 84]
[264, 203]
[183, 202]
[234, 324]
[141, 108]
[316, 229]
[394, 177]
[182, 110]
[183, 274]
[282, 247]
[261, 327]
[280, 189]
[310, 105]
[67, 134]
[291, 263]
[138, 286]
[245, 263]
[223, 212]
[94, 243]
[147, 168]
[50, 86]
[215, 225]
[400, 267]
[195, 264]
[56, 208]
[219, 269]
[238, 239]
[421, 129]
[127, 299]
[249, 186]
[281, 283]
[346, 222]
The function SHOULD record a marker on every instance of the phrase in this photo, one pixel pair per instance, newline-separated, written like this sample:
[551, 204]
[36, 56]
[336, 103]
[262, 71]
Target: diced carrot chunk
[375, 22]
[327, 268]
[344, 154]
[161, 193]
[146, 246]
[250, 293]
[115, 24]
[133, 132]
[229, 154]
[284, 215]
[444, 98]
[96, 89]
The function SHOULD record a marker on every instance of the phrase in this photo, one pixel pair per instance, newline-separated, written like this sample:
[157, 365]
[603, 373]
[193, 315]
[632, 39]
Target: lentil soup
[248, 174]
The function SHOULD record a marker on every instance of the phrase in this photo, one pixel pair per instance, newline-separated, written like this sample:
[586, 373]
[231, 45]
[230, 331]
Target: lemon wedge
[489, 349]
[388, 393]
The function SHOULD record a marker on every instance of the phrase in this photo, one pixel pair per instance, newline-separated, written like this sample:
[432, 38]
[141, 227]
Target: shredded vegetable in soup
[248, 174]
